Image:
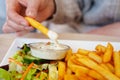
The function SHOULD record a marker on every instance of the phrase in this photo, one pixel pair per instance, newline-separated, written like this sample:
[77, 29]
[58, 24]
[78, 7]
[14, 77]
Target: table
[7, 39]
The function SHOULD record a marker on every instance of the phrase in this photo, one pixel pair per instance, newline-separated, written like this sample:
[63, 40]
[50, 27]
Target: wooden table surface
[7, 39]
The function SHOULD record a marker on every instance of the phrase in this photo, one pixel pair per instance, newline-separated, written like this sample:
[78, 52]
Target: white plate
[74, 44]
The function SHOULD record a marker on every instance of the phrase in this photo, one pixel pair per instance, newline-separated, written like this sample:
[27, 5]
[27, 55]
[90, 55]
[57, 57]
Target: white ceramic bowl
[49, 52]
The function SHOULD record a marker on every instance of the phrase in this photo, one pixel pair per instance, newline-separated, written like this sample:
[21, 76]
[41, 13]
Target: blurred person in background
[2, 14]
[83, 16]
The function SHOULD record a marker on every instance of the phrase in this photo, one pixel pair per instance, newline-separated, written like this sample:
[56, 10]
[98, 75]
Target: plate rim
[17, 39]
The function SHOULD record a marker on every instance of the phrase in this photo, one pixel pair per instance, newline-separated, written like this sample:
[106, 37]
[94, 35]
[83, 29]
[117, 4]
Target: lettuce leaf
[43, 76]
[53, 72]
[4, 75]
[30, 74]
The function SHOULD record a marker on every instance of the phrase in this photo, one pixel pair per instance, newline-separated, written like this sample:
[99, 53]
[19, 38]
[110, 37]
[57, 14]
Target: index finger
[17, 18]
[13, 7]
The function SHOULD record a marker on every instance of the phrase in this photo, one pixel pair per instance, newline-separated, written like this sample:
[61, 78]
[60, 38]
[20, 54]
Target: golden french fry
[116, 58]
[68, 71]
[93, 65]
[105, 66]
[95, 75]
[90, 78]
[83, 76]
[95, 57]
[61, 70]
[75, 67]
[83, 51]
[78, 73]
[37, 25]
[108, 53]
[74, 60]
[102, 64]
[70, 77]
[100, 48]
[110, 66]
[69, 54]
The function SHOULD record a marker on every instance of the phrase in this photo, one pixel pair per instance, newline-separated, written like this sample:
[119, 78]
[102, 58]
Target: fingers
[18, 19]
[14, 19]
[32, 8]
[21, 33]
[13, 10]
[10, 28]
[46, 9]
[15, 22]
[23, 2]
[15, 26]
[7, 29]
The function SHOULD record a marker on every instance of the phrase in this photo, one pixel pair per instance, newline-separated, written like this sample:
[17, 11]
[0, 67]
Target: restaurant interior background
[72, 28]
[2, 14]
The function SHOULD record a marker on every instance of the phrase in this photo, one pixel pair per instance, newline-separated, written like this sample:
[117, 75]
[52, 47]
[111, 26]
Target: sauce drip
[54, 36]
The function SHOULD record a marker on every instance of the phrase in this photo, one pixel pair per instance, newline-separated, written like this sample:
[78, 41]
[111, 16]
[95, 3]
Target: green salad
[24, 66]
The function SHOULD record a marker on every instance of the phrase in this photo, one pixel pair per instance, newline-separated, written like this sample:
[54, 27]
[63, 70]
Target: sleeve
[67, 11]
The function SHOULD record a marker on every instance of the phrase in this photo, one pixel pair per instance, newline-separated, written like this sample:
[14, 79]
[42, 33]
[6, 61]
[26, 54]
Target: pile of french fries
[101, 64]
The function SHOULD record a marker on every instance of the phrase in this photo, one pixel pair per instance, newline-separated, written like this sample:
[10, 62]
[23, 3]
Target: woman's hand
[17, 9]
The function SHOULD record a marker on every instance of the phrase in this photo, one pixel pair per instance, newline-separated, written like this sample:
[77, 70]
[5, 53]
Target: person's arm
[67, 11]
[109, 30]
[17, 9]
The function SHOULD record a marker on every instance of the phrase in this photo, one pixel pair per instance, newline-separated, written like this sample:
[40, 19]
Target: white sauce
[51, 46]
[54, 36]
[51, 51]
[48, 51]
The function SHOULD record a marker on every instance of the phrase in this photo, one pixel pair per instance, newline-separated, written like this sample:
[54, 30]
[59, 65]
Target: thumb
[32, 8]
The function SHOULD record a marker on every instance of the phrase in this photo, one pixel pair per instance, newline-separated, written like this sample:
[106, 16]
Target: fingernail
[31, 14]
